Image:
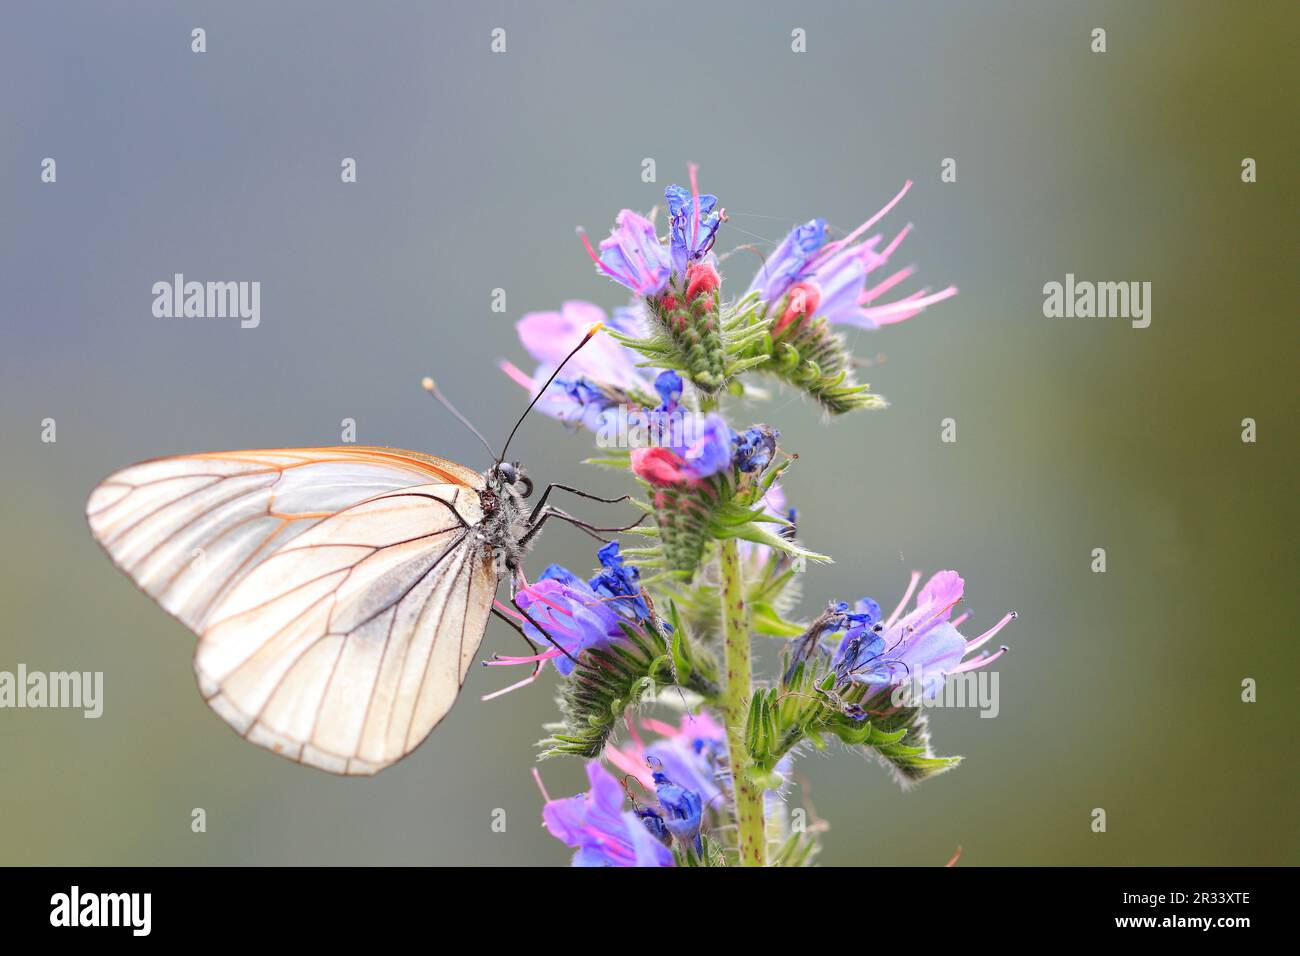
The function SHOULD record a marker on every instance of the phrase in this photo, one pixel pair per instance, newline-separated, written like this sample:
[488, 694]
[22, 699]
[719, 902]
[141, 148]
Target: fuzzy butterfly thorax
[505, 525]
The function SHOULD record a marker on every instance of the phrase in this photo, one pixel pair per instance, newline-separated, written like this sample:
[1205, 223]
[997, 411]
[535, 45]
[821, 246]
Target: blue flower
[858, 658]
[683, 808]
[755, 448]
[691, 241]
[669, 386]
[786, 264]
[620, 584]
[583, 403]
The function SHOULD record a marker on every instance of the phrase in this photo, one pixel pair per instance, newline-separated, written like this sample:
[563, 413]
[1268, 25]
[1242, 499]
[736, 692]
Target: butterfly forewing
[339, 594]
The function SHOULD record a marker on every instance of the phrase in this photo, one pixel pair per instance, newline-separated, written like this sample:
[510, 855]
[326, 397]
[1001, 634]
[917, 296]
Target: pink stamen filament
[893, 245]
[907, 596]
[508, 610]
[979, 661]
[883, 287]
[630, 765]
[503, 660]
[659, 727]
[988, 635]
[912, 304]
[831, 247]
[516, 375]
[693, 169]
[515, 686]
[541, 786]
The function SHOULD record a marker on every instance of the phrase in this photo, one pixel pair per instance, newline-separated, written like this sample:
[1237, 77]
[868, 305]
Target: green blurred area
[1121, 691]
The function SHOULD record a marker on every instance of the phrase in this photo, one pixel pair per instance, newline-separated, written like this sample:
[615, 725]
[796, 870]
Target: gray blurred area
[1122, 690]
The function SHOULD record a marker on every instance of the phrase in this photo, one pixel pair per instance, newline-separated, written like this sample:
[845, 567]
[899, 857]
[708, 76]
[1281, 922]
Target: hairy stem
[752, 835]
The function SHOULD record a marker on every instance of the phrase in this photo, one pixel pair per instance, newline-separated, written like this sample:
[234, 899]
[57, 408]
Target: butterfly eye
[507, 472]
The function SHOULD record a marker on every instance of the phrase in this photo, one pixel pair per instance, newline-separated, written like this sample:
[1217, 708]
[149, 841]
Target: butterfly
[339, 594]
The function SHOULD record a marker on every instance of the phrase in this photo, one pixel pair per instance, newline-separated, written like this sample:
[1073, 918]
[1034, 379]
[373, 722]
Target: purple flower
[576, 614]
[633, 255]
[693, 223]
[550, 336]
[702, 447]
[710, 452]
[603, 833]
[692, 755]
[597, 379]
[689, 754]
[833, 276]
[573, 616]
[923, 645]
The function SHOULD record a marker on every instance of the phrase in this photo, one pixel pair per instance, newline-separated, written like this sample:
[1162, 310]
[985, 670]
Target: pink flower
[923, 644]
[633, 255]
[839, 272]
[597, 378]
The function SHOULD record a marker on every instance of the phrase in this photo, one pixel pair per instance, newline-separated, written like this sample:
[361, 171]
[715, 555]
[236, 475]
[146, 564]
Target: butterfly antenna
[591, 332]
[431, 387]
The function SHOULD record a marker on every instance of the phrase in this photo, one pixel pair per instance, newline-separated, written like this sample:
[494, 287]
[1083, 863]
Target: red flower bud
[802, 301]
[659, 466]
[701, 279]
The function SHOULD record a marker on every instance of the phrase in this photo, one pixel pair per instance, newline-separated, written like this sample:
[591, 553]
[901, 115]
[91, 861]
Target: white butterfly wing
[338, 594]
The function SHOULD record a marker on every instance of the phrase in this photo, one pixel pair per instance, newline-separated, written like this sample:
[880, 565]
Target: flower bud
[701, 279]
[659, 466]
[801, 302]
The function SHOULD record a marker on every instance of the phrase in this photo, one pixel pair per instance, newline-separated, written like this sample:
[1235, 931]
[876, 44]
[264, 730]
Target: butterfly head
[508, 475]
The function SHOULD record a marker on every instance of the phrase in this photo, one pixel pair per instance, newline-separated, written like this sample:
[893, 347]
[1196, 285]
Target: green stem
[751, 831]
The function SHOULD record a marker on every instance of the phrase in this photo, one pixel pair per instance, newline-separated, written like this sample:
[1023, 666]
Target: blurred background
[1122, 690]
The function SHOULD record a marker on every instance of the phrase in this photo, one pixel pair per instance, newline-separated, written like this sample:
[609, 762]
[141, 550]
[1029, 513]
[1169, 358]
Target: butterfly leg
[591, 529]
[532, 648]
[541, 502]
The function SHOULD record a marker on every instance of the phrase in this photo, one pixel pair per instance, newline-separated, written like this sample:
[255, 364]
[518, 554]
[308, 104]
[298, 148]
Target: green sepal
[810, 356]
[810, 704]
[607, 681]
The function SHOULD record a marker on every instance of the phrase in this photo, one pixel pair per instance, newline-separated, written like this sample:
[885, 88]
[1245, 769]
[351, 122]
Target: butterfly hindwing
[339, 594]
